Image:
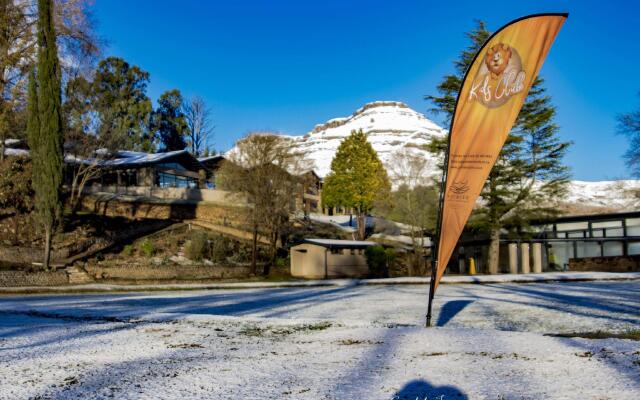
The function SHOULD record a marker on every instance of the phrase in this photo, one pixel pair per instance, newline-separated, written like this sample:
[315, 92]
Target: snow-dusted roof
[336, 243]
[204, 159]
[126, 158]
[138, 158]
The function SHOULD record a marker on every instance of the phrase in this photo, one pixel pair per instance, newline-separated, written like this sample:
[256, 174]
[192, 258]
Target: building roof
[340, 244]
[588, 217]
[136, 159]
[210, 158]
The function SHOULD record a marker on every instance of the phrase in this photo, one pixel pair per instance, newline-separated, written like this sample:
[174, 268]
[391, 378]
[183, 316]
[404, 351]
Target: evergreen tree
[121, 104]
[45, 128]
[357, 178]
[629, 125]
[528, 176]
[170, 121]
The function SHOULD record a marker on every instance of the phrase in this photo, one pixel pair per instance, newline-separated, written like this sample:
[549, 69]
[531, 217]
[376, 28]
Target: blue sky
[288, 65]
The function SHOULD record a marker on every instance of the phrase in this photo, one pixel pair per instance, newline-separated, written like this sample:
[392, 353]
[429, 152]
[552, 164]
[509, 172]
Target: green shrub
[197, 247]
[221, 248]
[378, 260]
[146, 248]
[127, 250]
[241, 254]
[282, 262]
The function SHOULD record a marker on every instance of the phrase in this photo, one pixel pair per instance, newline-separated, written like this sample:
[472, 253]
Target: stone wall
[605, 264]
[28, 255]
[39, 278]
[209, 195]
[112, 206]
[176, 272]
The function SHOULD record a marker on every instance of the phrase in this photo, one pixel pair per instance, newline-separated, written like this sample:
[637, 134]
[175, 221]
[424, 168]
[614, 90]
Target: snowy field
[346, 342]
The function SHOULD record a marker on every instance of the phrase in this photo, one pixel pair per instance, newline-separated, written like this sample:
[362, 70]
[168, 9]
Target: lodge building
[568, 243]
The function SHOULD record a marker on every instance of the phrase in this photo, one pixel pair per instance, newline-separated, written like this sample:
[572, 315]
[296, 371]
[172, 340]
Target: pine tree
[528, 176]
[170, 121]
[357, 178]
[44, 128]
[121, 104]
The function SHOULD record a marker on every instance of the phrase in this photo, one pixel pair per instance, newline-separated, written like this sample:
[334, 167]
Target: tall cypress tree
[528, 175]
[357, 178]
[45, 128]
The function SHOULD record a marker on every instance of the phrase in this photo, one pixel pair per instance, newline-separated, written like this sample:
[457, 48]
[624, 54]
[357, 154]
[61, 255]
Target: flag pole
[436, 243]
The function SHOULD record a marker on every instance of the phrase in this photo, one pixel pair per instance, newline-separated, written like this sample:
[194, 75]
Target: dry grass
[633, 334]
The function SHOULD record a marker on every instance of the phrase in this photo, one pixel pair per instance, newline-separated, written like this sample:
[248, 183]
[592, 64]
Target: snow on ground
[341, 342]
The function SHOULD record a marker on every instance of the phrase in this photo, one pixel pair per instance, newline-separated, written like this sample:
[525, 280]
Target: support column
[513, 258]
[461, 265]
[536, 249]
[524, 258]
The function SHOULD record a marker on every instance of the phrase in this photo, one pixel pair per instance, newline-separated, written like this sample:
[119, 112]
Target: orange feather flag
[492, 94]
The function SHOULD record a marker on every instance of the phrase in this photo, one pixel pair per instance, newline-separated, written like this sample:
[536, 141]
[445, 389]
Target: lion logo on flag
[499, 77]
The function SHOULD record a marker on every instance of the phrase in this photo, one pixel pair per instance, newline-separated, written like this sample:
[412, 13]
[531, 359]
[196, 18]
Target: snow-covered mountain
[390, 126]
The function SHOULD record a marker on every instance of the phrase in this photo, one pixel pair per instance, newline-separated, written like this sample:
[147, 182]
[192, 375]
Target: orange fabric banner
[493, 92]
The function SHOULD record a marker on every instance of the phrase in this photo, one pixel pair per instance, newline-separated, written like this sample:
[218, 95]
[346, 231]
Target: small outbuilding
[330, 258]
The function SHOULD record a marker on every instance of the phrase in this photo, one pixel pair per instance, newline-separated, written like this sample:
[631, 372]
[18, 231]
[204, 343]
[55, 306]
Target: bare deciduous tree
[265, 167]
[414, 200]
[198, 116]
[78, 48]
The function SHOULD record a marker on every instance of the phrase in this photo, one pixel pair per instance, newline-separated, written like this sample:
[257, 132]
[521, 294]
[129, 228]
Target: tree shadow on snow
[422, 390]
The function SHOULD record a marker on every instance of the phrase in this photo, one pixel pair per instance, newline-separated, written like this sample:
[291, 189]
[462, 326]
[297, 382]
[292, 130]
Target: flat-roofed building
[330, 258]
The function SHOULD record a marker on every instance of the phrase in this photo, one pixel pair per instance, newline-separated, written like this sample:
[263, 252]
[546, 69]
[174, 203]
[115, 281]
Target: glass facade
[633, 248]
[588, 249]
[558, 255]
[600, 236]
[165, 180]
[611, 249]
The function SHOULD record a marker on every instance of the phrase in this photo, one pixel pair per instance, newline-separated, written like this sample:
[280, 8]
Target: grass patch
[434, 354]
[633, 334]
[185, 346]
[256, 331]
[252, 331]
[351, 342]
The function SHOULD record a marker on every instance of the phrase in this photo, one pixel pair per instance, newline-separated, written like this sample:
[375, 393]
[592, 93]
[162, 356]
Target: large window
[610, 249]
[572, 226]
[165, 180]
[559, 255]
[633, 248]
[633, 226]
[587, 249]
